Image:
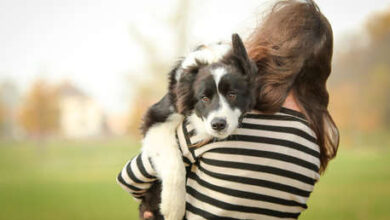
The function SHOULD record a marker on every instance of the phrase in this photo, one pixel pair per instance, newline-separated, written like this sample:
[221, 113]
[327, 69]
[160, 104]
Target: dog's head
[216, 89]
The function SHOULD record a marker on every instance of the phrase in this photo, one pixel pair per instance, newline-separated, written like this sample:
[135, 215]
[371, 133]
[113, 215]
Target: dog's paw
[173, 209]
[173, 203]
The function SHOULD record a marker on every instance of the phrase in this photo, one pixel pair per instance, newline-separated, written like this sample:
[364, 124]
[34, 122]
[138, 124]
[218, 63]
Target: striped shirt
[265, 170]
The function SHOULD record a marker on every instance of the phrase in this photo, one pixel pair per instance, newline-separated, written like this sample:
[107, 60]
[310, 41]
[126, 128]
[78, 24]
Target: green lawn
[356, 186]
[65, 180]
[76, 180]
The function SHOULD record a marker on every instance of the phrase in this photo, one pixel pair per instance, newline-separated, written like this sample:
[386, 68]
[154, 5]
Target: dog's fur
[213, 87]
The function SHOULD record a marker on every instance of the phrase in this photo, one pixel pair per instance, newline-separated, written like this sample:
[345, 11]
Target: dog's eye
[232, 95]
[205, 99]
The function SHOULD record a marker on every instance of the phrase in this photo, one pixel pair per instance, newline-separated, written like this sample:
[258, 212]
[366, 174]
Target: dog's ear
[173, 83]
[184, 87]
[185, 94]
[248, 66]
[239, 47]
[240, 53]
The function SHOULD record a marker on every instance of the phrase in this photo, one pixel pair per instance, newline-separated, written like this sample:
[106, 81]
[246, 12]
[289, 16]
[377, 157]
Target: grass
[65, 180]
[356, 186]
[76, 180]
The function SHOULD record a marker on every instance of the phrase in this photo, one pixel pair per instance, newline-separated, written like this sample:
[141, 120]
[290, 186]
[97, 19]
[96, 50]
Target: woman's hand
[148, 215]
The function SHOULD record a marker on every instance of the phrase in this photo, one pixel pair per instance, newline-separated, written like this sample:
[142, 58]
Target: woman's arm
[137, 176]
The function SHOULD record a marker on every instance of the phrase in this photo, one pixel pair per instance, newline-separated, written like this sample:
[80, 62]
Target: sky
[88, 42]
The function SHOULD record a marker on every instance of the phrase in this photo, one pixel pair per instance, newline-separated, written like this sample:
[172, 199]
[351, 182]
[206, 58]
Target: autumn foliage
[39, 113]
[360, 81]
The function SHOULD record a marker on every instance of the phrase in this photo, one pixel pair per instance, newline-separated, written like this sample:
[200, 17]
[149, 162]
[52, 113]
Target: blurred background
[76, 77]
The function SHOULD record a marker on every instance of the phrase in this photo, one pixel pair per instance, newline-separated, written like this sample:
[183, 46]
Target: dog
[212, 87]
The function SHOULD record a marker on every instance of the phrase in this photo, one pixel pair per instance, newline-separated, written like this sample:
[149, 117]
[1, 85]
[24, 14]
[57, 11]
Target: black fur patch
[158, 113]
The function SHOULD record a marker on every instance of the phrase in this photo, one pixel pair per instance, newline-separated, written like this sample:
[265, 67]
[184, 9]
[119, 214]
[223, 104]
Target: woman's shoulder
[284, 114]
[285, 120]
[287, 128]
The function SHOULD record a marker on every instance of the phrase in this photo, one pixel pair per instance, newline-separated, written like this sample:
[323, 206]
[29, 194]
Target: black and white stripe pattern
[137, 176]
[265, 170]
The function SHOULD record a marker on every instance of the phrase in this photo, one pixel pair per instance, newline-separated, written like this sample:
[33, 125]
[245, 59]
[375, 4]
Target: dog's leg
[161, 146]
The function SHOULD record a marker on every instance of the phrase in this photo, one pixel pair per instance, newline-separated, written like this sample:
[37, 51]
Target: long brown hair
[293, 50]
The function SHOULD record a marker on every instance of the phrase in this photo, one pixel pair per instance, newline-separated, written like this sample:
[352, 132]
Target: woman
[268, 167]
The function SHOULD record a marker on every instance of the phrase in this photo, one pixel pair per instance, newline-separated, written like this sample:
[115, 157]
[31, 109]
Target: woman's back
[266, 169]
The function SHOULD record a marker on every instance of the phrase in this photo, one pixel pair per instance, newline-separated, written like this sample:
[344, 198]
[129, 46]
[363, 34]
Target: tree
[39, 113]
[9, 101]
[3, 115]
[360, 83]
[378, 26]
[379, 32]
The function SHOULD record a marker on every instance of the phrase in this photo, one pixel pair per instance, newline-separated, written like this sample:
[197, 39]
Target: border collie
[212, 86]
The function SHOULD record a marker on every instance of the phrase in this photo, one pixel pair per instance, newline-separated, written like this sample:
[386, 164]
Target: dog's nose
[218, 124]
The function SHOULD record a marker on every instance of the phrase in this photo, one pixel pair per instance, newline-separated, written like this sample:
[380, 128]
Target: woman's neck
[291, 103]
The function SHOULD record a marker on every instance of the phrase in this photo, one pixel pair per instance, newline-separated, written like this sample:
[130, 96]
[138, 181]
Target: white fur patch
[209, 54]
[224, 111]
[160, 145]
[218, 74]
[199, 126]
